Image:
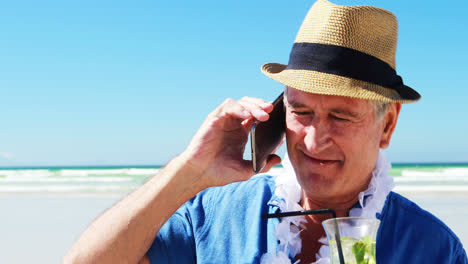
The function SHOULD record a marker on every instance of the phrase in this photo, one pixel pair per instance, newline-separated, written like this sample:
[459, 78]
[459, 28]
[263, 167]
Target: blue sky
[129, 82]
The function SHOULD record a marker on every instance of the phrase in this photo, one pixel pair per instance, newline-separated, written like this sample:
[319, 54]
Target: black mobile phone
[265, 137]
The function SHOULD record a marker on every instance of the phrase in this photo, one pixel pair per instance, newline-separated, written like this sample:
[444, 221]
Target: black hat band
[345, 62]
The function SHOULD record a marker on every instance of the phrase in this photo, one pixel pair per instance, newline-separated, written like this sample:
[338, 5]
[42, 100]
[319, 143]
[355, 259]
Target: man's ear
[389, 122]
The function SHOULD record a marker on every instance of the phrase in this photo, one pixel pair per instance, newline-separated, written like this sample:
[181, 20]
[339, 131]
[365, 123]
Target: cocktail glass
[357, 236]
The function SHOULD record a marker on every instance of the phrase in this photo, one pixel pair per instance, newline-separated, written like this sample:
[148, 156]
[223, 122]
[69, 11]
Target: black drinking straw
[309, 212]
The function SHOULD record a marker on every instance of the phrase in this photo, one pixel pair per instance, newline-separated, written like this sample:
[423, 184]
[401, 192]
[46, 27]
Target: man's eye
[299, 113]
[339, 118]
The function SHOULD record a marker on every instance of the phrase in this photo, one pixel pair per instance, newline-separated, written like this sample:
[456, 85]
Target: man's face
[333, 143]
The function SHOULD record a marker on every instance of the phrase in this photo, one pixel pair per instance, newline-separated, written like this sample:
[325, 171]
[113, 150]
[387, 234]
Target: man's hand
[216, 151]
[124, 233]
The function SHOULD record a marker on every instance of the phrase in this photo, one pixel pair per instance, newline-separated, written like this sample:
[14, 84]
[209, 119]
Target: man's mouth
[320, 161]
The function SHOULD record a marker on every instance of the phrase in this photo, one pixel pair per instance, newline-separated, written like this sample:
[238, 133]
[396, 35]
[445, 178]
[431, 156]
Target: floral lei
[288, 231]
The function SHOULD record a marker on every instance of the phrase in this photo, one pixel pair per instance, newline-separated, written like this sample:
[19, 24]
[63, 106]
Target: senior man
[342, 101]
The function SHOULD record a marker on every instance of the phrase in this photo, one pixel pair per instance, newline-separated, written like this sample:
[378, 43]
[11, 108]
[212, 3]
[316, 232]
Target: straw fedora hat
[346, 51]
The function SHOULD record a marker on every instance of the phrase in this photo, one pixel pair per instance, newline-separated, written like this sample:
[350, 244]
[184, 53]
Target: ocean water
[120, 179]
[116, 179]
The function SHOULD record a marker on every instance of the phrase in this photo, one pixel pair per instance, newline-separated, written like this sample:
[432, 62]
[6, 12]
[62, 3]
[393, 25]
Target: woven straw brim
[330, 84]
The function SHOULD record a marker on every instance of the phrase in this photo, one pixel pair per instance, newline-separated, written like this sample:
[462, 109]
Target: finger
[256, 110]
[233, 108]
[266, 106]
[271, 161]
[248, 123]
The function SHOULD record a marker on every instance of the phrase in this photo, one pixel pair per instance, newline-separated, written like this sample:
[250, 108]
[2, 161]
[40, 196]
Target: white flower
[288, 231]
[275, 258]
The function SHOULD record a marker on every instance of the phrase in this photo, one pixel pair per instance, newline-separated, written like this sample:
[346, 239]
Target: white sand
[40, 229]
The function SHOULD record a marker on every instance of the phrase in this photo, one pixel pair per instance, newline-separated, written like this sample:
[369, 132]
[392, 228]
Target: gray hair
[380, 108]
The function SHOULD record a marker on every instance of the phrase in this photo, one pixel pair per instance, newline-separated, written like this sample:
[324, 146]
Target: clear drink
[355, 251]
[357, 236]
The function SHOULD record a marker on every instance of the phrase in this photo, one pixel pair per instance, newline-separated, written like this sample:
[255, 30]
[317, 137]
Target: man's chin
[319, 176]
[315, 182]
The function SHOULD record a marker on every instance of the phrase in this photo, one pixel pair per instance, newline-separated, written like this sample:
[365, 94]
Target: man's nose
[318, 137]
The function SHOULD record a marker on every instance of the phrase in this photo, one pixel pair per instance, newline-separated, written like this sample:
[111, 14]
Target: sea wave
[407, 178]
[63, 188]
[416, 179]
[103, 172]
[33, 173]
[40, 173]
[436, 172]
[431, 188]
[65, 180]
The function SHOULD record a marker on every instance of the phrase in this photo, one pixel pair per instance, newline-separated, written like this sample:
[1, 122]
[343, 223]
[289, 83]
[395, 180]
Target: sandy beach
[39, 228]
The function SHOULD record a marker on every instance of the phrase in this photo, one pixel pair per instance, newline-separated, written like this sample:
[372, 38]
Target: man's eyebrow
[345, 112]
[295, 104]
[341, 111]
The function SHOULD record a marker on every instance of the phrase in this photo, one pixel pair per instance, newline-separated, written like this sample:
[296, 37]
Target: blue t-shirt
[224, 225]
